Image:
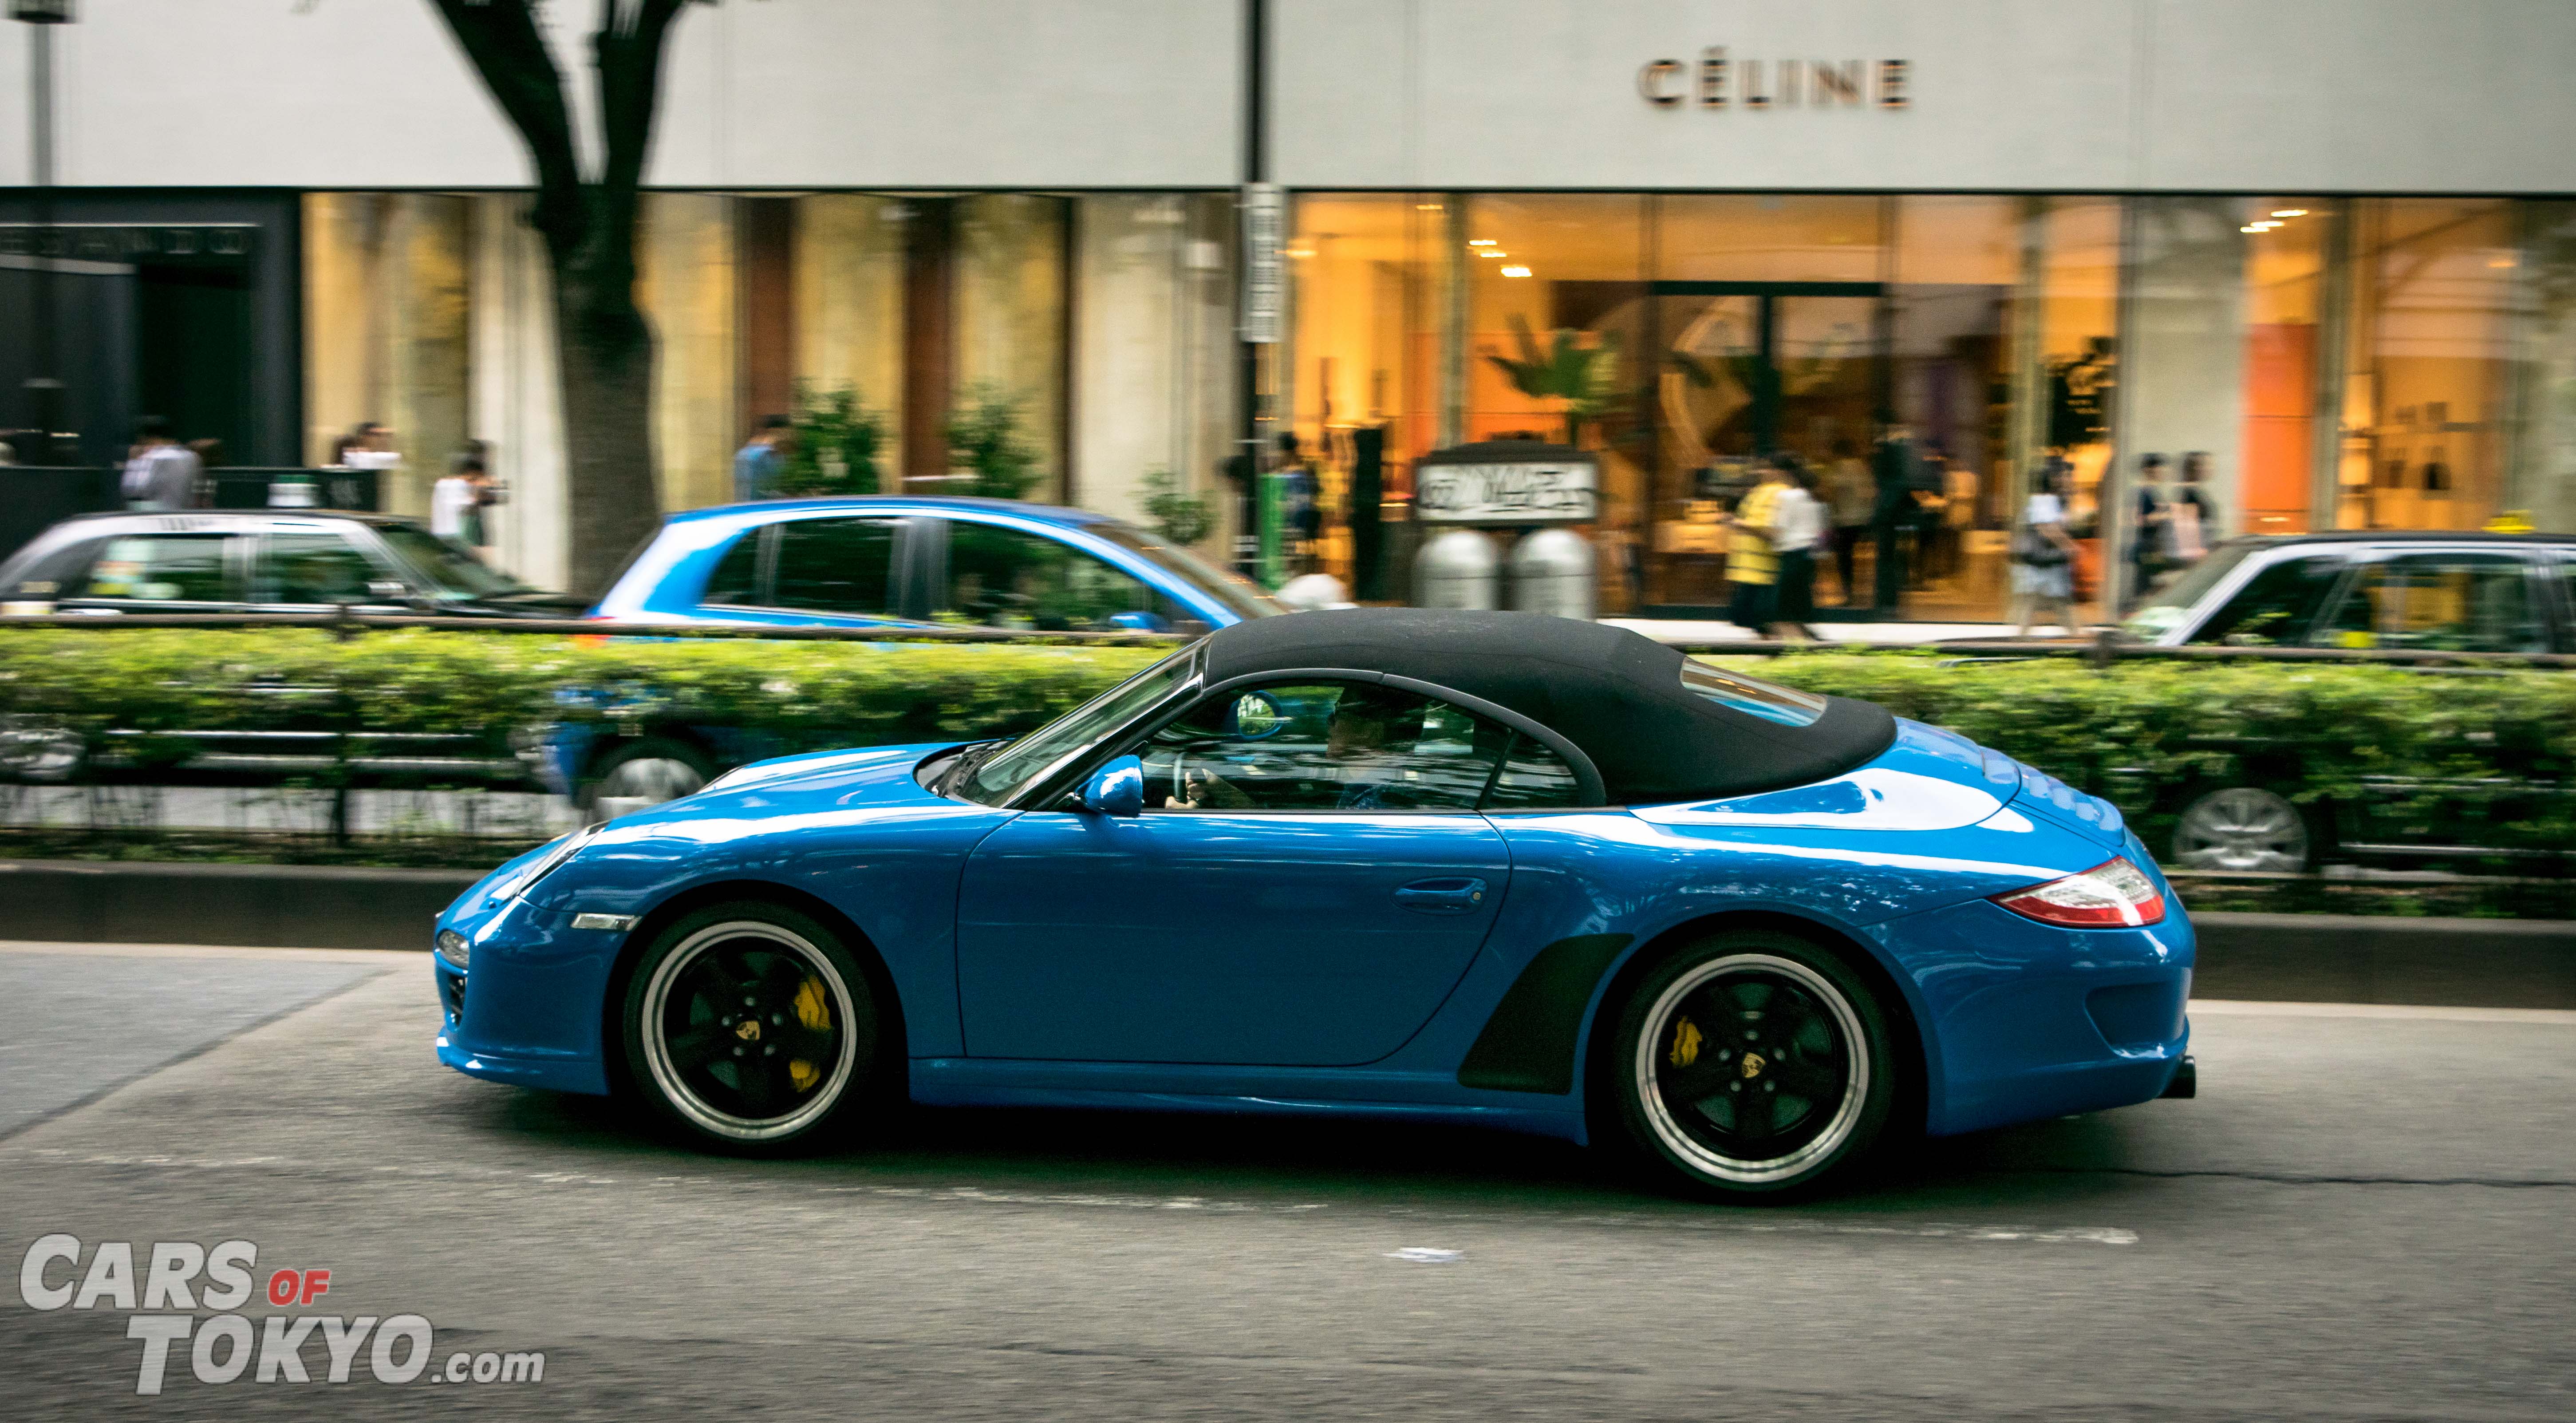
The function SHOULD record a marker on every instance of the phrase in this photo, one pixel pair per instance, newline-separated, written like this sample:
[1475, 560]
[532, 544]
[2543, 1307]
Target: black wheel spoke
[1701, 1080]
[1814, 1081]
[700, 1045]
[757, 1088]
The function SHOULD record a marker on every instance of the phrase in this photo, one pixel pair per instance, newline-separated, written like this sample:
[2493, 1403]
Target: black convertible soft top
[1616, 695]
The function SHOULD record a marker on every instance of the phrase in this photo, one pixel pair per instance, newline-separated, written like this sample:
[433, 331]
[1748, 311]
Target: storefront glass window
[2435, 290]
[2287, 245]
[1364, 385]
[1555, 341]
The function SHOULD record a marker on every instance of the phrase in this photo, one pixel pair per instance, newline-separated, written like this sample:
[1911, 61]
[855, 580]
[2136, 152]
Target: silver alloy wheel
[2242, 828]
[36, 750]
[1845, 1113]
[652, 1023]
[650, 780]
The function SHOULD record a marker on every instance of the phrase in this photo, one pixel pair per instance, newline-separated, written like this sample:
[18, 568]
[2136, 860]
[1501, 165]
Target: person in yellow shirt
[1752, 562]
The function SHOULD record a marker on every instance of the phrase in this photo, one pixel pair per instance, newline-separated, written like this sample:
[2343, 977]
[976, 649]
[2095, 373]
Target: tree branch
[628, 51]
[501, 39]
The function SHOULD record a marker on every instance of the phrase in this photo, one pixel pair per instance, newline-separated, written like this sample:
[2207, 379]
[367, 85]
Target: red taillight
[2113, 894]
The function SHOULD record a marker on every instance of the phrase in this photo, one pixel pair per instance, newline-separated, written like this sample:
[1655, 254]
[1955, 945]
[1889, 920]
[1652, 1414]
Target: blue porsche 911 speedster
[1452, 866]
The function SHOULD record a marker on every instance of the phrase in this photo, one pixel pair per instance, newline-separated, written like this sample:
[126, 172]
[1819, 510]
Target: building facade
[2326, 246]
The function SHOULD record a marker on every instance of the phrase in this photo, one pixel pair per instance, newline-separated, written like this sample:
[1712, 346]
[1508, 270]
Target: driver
[1355, 745]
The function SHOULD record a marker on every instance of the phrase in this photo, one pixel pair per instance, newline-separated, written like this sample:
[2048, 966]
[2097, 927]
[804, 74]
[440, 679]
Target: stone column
[849, 308]
[685, 284]
[517, 403]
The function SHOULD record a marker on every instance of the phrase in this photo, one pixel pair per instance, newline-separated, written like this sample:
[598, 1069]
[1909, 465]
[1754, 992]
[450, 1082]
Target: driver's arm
[1206, 790]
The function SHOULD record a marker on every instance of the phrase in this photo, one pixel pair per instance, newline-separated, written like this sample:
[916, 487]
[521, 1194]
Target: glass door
[1746, 369]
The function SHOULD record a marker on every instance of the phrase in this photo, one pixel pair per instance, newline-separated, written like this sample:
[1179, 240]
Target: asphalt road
[2364, 1216]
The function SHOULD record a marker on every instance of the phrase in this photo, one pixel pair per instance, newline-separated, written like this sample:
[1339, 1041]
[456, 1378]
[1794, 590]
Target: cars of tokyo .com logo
[177, 1278]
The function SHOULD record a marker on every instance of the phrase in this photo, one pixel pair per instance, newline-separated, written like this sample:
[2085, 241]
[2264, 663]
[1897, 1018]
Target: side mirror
[1116, 789]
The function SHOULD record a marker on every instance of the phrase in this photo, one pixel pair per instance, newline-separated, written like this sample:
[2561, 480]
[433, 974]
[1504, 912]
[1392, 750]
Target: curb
[2366, 958]
[2314, 958]
[257, 906]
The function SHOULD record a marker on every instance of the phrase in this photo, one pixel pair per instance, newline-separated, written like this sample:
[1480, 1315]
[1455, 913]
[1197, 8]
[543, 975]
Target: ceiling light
[1301, 251]
[2250, 227]
[1426, 207]
[1480, 242]
[1516, 270]
[1494, 252]
[2289, 212]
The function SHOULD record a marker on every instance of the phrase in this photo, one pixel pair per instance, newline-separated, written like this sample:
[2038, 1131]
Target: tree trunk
[606, 369]
[604, 345]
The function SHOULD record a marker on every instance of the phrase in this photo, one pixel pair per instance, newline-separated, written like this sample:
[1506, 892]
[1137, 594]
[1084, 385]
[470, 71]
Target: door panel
[1276, 938]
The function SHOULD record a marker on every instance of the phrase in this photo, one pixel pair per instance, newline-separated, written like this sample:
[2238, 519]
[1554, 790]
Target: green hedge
[2144, 734]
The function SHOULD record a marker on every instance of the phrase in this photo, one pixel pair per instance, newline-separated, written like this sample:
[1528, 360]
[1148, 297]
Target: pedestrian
[2146, 551]
[1797, 532]
[1301, 509]
[1752, 560]
[1892, 510]
[456, 501]
[372, 447]
[1851, 496]
[2043, 555]
[161, 473]
[2191, 520]
[758, 466]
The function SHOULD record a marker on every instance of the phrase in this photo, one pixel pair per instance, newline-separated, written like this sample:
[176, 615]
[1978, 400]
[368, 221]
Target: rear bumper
[2023, 1021]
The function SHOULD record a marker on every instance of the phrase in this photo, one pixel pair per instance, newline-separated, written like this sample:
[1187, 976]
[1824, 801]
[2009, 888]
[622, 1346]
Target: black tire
[662, 770]
[792, 1068]
[1752, 1016]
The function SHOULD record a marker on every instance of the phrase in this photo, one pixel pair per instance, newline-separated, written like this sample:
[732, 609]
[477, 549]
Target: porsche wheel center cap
[1753, 1065]
[749, 1031]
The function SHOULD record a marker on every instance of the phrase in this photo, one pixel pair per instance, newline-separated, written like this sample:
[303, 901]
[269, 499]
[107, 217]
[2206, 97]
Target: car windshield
[458, 574]
[1239, 595]
[1005, 772]
[2171, 608]
[1752, 696]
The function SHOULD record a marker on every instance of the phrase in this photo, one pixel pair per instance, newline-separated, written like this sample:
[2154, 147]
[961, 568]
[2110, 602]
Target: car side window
[2450, 602]
[736, 580]
[160, 568]
[836, 566]
[1321, 746]
[311, 568]
[1533, 778]
[2277, 605]
[1009, 578]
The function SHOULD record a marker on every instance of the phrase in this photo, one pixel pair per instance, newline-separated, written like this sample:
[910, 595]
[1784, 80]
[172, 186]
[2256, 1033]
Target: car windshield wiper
[969, 762]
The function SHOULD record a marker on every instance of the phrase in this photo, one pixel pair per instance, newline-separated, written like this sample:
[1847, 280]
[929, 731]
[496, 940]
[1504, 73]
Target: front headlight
[544, 864]
[453, 948]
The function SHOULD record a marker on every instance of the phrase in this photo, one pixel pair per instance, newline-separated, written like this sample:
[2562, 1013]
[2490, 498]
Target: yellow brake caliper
[814, 1011]
[1686, 1042]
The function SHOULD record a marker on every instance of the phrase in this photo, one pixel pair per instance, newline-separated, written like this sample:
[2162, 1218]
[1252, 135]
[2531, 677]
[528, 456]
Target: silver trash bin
[1457, 569]
[1553, 573]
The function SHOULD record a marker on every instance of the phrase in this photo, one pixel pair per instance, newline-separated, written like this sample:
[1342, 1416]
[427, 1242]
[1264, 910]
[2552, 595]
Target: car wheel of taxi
[2243, 828]
[644, 773]
[751, 1029]
[1753, 1064]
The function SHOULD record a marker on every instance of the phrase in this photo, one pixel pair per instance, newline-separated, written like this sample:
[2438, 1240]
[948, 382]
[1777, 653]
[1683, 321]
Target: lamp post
[44, 389]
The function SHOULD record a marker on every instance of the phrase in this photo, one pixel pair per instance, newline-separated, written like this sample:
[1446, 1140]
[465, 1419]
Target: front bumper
[528, 1009]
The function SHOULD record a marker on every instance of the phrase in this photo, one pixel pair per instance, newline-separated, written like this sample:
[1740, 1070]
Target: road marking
[1426, 1255]
[2249, 1008]
[1729, 1221]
